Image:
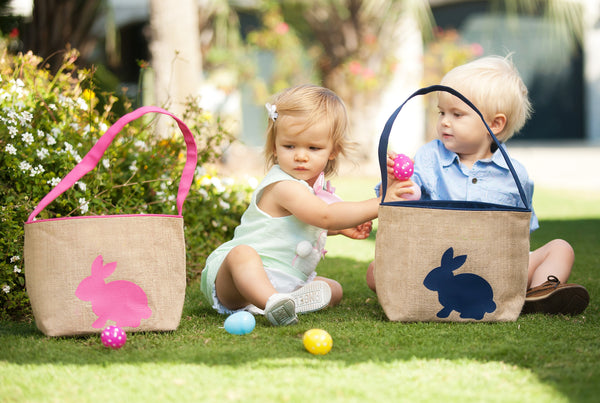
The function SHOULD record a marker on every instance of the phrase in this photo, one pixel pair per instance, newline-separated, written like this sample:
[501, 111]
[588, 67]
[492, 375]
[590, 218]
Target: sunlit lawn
[537, 358]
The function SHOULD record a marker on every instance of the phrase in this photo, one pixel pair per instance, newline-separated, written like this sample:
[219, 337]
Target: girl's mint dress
[283, 243]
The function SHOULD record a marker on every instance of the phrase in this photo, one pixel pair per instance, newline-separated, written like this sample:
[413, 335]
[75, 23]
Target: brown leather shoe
[552, 297]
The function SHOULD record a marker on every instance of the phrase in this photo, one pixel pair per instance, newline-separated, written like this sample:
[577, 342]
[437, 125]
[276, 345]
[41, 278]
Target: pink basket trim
[91, 159]
[103, 216]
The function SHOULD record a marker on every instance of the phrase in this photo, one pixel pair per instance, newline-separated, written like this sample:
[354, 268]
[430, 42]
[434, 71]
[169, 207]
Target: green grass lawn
[537, 358]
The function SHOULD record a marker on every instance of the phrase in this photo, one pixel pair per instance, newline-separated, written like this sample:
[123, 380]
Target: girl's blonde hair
[493, 85]
[315, 104]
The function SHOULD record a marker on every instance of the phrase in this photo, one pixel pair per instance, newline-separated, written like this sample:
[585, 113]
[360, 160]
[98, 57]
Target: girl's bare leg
[242, 280]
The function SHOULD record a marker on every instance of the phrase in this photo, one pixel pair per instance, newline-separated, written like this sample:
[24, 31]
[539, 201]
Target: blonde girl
[269, 265]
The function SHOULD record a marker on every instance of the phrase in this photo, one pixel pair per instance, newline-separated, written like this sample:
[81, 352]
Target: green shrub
[48, 123]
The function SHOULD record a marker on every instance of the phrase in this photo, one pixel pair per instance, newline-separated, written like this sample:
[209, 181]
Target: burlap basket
[450, 260]
[84, 273]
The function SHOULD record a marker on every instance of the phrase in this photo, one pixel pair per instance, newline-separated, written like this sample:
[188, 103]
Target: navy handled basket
[450, 260]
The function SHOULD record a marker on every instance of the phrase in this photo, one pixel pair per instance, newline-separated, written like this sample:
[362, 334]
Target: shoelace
[554, 279]
[552, 282]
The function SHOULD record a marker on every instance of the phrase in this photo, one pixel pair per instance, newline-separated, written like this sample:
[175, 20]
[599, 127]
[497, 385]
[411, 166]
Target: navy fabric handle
[385, 135]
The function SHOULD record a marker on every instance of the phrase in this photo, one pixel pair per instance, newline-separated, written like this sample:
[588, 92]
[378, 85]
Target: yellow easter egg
[317, 341]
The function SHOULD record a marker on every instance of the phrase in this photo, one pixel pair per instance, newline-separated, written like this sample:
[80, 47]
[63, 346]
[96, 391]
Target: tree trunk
[59, 23]
[175, 51]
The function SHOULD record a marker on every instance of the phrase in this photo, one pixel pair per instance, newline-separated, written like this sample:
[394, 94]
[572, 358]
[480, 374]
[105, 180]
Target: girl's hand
[361, 231]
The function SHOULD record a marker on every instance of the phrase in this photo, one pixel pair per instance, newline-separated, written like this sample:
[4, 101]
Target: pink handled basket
[85, 273]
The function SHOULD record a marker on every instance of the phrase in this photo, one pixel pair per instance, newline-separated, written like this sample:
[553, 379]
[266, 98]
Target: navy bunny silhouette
[467, 293]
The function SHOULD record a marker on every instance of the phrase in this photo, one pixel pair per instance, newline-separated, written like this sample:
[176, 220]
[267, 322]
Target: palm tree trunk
[175, 50]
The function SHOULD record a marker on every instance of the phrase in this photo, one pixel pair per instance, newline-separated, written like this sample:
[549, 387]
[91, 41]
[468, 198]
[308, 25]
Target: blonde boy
[463, 163]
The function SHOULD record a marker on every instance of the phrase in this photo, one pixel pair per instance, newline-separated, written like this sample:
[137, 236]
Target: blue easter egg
[240, 323]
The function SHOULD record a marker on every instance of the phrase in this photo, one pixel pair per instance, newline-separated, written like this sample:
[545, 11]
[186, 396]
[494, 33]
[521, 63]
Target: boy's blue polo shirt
[441, 176]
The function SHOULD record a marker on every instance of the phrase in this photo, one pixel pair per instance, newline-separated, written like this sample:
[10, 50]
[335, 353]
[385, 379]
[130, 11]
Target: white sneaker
[281, 310]
[312, 297]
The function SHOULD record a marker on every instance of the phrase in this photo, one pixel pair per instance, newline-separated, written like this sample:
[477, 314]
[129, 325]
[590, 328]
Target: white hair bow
[272, 110]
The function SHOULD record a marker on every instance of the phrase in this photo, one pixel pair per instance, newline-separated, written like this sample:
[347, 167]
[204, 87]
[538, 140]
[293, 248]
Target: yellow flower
[88, 95]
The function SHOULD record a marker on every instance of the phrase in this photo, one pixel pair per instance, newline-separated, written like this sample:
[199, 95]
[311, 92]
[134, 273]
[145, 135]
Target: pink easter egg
[403, 167]
[113, 337]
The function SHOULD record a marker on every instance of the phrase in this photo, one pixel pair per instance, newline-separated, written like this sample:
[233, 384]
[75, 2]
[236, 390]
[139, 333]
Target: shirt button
[474, 181]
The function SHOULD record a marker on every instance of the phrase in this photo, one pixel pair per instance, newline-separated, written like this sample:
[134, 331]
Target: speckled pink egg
[403, 167]
[113, 337]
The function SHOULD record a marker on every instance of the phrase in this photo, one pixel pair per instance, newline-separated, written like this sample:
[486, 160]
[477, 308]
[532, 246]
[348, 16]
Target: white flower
[82, 186]
[205, 181]
[25, 118]
[41, 134]
[12, 131]
[19, 83]
[105, 163]
[15, 259]
[10, 149]
[53, 182]
[69, 148]
[37, 170]
[42, 153]
[27, 138]
[83, 205]
[102, 127]
[141, 145]
[133, 166]
[12, 115]
[216, 182]
[50, 140]
[64, 101]
[17, 269]
[87, 129]
[224, 205]
[55, 131]
[5, 288]
[203, 193]
[25, 166]
[52, 106]
[82, 104]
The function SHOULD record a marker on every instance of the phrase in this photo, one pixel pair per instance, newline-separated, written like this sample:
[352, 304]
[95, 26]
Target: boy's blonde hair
[315, 104]
[493, 85]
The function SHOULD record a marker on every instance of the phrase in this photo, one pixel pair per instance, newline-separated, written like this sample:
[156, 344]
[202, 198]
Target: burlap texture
[149, 251]
[411, 241]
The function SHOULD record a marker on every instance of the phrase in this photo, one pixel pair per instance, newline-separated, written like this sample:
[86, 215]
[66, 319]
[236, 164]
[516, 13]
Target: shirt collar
[498, 159]
[449, 157]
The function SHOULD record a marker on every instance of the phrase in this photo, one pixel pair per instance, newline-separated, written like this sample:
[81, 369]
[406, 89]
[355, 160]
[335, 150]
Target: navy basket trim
[455, 205]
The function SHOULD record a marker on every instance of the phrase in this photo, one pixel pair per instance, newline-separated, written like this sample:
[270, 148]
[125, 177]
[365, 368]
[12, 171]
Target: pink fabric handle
[91, 159]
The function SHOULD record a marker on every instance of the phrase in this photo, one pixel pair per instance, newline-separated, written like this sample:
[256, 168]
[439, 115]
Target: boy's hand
[390, 166]
[361, 231]
[400, 190]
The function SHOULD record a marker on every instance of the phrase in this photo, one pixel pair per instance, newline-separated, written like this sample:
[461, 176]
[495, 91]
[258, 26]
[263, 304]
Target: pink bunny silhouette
[121, 301]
